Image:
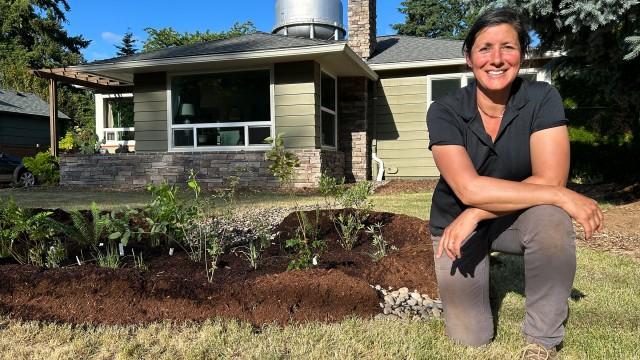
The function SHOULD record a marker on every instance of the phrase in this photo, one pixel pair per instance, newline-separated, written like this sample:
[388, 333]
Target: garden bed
[176, 288]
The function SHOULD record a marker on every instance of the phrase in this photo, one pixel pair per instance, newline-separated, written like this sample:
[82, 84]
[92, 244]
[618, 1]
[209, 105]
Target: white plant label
[78, 260]
[315, 260]
[170, 251]
[121, 248]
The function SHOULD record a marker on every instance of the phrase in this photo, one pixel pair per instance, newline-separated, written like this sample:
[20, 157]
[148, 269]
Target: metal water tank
[316, 19]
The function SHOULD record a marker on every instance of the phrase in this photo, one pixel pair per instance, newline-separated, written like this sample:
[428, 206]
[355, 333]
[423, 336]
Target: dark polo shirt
[454, 120]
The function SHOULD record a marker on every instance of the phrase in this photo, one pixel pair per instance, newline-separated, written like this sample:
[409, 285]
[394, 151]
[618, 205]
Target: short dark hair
[496, 17]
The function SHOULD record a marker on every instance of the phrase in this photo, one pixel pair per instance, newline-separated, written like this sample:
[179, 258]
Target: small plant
[251, 252]
[55, 255]
[330, 188]
[118, 226]
[36, 256]
[166, 214]
[283, 161]
[214, 250]
[380, 245]
[306, 246]
[25, 234]
[110, 258]
[68, 142]
[138, 261]
[349, 227]
[86, 232]
[44, 167]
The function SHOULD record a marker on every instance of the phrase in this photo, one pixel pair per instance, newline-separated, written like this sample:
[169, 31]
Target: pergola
[75, 77]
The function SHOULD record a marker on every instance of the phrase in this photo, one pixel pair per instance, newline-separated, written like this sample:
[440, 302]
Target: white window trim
[101, 130]
[332, 112]
[541, 75]
[170, 126]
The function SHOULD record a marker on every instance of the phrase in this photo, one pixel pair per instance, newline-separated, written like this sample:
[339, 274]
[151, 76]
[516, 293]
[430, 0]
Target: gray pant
[544, 235]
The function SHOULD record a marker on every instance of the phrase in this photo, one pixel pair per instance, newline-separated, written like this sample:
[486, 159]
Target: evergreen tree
[32, 36]
[128, 45]
[168, 37]
[600, 46]
[449, 19]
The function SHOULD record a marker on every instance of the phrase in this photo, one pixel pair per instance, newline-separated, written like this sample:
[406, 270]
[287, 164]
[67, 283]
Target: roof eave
[183, 60]
[417, 64]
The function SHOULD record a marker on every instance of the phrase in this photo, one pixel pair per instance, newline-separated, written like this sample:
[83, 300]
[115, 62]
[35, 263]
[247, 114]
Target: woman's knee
[548, 227]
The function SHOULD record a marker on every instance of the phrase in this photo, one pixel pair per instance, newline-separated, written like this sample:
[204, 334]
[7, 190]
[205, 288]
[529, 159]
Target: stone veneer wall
[353, 95]
[131, 171]
[362, 27]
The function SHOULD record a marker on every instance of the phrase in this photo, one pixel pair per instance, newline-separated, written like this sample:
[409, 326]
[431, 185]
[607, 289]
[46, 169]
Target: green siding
[150, 112]
[400, 129]
[23, 130]
[297, 103]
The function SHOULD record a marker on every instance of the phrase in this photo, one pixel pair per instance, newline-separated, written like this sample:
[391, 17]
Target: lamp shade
[187, 110]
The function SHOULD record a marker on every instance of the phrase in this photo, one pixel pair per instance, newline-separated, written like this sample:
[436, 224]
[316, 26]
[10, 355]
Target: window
[117, 120]
[221, 110]
[328, 109]
[441, 85]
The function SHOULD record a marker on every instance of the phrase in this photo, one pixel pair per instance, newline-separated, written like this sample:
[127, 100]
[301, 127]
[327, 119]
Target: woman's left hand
[456, 233]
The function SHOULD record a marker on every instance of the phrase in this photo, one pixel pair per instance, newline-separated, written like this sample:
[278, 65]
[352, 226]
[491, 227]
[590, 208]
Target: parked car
[12, 171]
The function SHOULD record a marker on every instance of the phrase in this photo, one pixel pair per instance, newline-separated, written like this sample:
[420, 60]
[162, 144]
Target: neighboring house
[209, 106]
[24, 123]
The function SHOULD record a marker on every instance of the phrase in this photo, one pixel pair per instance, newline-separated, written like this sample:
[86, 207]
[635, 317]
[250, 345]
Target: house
[24, 123]
[346, 108]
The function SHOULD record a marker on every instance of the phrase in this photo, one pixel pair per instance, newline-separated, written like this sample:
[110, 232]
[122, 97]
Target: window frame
[334, 113]
[101, 117]
[195, 148]
[541, 75]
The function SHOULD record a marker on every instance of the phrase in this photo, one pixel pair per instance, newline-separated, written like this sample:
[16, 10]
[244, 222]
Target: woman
[502, 147]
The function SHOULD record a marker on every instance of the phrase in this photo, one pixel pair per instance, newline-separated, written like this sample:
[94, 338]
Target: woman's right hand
[585, 210]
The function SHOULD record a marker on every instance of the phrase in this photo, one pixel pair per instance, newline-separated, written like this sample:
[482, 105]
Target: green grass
[74, 199]
[604, 323]
[80, 198]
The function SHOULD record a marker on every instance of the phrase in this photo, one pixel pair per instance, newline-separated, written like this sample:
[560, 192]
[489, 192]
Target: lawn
[604, 319]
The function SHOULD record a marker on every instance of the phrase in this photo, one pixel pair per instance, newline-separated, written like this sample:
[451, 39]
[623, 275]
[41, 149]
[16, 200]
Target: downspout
[380, 166]
[374, 155]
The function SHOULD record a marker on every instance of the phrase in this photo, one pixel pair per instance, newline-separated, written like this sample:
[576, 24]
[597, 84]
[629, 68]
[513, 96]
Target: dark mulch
[175, 288]
[406, 186]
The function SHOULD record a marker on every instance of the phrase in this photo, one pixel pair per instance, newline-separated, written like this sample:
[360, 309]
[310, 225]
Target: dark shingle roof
[401, 48]
[252, 42]
[25, 103]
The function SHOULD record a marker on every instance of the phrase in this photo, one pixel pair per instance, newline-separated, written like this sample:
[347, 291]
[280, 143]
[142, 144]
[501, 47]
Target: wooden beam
[84, 79]
[53, 116]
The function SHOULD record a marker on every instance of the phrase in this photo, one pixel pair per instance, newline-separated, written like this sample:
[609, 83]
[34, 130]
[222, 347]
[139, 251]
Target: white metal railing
[117, 135]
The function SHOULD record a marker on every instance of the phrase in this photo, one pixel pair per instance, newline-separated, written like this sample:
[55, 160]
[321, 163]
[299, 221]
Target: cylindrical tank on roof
[316, 19]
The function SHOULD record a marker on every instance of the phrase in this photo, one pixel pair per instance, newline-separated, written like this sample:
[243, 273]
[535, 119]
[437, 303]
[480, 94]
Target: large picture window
[328, 107]
[221, 110]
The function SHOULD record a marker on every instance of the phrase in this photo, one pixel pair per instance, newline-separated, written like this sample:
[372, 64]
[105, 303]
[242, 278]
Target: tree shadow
[507, 276]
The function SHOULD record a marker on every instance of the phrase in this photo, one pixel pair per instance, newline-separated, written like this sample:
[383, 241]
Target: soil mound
[175, 288]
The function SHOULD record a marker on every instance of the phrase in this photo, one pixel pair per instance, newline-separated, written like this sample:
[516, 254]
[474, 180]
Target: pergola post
[53, 117]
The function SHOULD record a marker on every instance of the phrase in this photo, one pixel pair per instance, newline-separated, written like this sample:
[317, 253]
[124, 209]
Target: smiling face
[495, 58]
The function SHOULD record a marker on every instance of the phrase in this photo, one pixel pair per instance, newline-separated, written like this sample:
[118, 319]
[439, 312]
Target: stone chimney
[362, 27]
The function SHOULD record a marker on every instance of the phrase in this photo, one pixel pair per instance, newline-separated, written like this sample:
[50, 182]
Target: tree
[449, 19]
[597, 72]
[168, 37]
[128, 45]
[32, 36]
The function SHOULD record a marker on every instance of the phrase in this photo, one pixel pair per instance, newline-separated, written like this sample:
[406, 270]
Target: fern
[84, 231]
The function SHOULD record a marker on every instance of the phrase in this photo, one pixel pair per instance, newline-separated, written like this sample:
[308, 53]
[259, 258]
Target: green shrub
[44, 167]
[283, 161]
[25, 235]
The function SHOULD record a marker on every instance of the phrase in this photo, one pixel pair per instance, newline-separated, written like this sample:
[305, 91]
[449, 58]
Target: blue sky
[104, 22]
